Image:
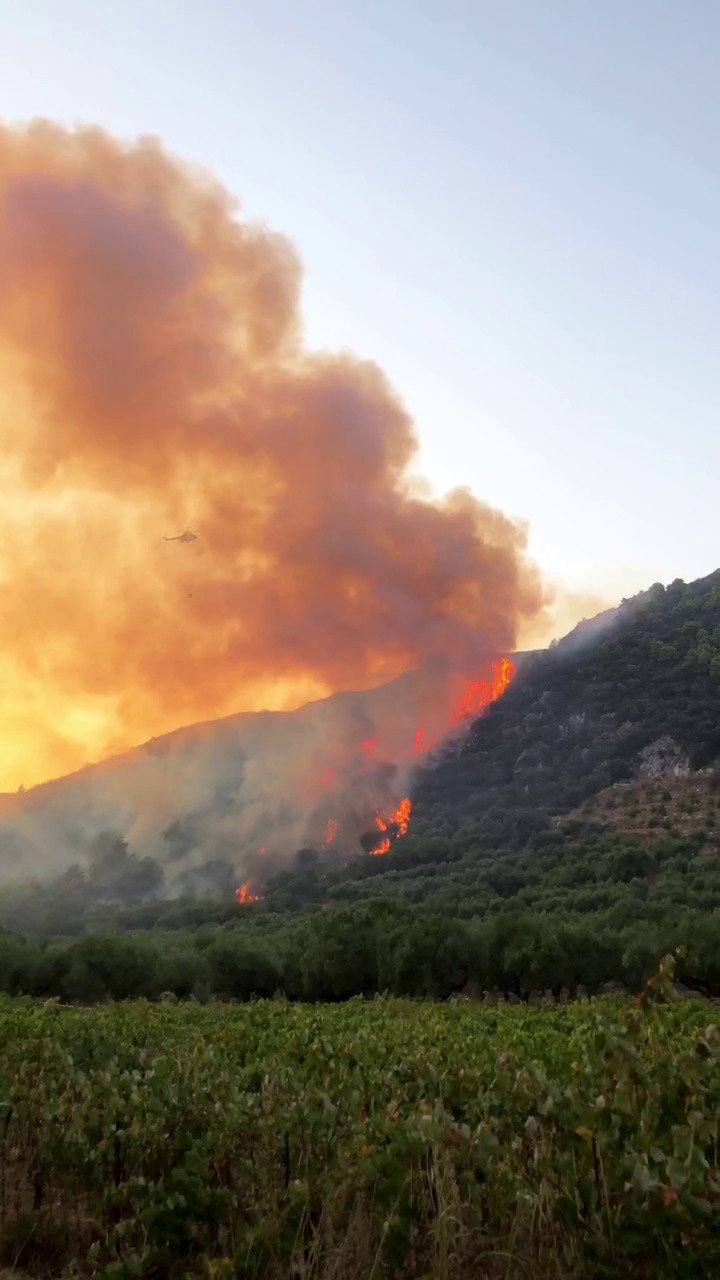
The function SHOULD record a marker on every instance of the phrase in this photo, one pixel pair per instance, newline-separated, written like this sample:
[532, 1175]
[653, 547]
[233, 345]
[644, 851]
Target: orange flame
[400, 819]
[476, 698]
[479, 694]
[244, 895]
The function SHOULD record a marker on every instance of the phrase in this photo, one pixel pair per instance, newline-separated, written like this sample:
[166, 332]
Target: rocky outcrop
[663, 757]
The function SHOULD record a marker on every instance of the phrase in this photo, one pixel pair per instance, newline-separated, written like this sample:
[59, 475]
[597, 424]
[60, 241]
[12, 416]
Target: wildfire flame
[400, 819]
[476, 698]
[244, 895]
[479, 694]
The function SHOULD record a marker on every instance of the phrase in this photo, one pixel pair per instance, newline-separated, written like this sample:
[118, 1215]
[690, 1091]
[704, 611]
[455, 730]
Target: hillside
[569, 838]
[585, 800]
[642, 702]
[671, 805]
[201, 802]
[644, 699]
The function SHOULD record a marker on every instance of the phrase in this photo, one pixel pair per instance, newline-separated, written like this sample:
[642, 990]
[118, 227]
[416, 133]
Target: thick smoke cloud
[153, 376]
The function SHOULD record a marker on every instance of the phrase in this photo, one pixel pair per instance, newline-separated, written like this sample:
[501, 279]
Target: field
[359, 1141]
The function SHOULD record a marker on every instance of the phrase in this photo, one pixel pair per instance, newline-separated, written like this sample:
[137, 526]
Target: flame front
[244, 895]
[479, 694]
[476, 697]
[400, 819]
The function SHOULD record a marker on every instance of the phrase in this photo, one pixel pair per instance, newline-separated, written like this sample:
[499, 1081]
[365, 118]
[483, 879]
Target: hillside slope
[220, 791]
[644, 699]
[570, 838]
[214, 803]
[506, 822]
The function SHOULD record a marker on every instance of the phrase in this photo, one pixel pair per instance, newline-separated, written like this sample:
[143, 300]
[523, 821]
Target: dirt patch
[657, 808]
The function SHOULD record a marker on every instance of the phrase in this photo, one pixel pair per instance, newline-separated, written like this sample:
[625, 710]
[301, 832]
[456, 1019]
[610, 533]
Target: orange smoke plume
[153, 379]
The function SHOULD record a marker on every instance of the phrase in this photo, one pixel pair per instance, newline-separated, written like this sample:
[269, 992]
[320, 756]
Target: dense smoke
[153, 377]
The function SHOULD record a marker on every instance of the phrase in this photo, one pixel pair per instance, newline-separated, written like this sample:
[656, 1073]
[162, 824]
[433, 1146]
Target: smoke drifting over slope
[219, 793]
[153, 376]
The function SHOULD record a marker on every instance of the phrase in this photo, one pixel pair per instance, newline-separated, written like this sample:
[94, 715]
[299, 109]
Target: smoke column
[153, 377]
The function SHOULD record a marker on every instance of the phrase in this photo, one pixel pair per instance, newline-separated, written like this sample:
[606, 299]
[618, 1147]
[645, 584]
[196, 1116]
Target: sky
[513, 207]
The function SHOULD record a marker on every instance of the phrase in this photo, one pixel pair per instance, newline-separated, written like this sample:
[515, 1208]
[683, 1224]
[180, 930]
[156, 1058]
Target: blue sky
[514, 207]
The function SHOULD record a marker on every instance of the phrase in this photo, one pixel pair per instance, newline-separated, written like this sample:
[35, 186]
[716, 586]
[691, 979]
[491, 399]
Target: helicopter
[187, 536]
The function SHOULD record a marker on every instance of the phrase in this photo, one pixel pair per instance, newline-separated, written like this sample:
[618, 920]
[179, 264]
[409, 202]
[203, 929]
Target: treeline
[582, 869]
[335, 954]
[579, 906]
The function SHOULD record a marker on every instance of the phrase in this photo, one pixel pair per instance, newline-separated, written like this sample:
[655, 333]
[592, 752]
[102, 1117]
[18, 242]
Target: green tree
[239, 970]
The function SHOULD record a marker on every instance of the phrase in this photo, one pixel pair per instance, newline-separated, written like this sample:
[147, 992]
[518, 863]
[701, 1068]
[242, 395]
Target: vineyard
[359, 1141]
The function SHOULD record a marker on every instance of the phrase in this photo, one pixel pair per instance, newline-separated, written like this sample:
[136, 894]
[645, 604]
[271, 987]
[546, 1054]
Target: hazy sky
[514, 207]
